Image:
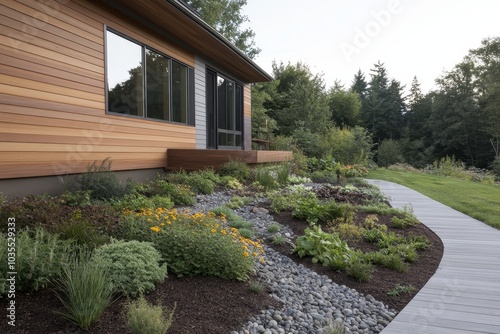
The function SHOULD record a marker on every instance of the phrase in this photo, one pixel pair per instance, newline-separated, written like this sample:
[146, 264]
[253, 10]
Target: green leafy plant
[349, 232]
[85, 289]
[394, 262]
[246, 233]
[77, 198]
[322, 246]
[237, 169]
[370, 221]
[358, 267]
[143, 317]
[81, 230]
[287, 199]
[180, 194]
[400, 289]
[134, 265]
[200, 244]
[199, 182]
[313, 210]
[40, 256]
[101, 182]
[137, 201]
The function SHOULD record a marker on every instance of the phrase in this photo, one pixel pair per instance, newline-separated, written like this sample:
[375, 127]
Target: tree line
[372, 118]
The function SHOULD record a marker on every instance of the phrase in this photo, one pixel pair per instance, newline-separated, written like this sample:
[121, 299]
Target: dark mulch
[204, 305]
[383, 279]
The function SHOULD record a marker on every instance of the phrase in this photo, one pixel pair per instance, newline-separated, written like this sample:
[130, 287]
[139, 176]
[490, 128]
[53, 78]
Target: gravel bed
[310, 302]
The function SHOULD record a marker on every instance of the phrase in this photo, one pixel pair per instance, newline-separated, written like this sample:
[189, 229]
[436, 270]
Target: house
[148, 84]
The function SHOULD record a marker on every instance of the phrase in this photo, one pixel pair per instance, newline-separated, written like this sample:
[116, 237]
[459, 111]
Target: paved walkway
[463, 296]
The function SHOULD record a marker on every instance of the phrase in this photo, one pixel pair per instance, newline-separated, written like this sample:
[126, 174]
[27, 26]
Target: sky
[422, 38]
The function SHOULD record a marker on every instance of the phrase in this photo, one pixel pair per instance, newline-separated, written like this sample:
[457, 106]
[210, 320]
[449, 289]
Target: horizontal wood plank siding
[52, 92]
[247, 117]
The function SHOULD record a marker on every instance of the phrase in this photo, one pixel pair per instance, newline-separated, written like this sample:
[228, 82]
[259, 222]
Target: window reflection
[179, 92]
[157, 84]
[125, 75]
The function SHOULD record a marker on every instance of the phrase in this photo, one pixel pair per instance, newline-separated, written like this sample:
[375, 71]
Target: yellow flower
[214, 230]
[155, 229]
[246, 254]
[162, 224]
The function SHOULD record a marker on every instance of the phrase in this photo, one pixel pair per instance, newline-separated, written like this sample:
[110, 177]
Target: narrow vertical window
[157, 86]
[125, 82]
[179, 92]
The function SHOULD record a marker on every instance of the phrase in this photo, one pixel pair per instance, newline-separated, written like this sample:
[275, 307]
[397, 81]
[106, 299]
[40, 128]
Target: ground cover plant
[475, 199]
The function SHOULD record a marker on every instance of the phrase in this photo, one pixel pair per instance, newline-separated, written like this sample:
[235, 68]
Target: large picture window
[143, 82]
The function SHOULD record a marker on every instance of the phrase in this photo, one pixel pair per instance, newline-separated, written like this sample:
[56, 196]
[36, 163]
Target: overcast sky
[338, 37]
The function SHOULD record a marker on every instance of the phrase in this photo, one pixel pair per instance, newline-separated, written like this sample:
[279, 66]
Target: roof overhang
[179, 24]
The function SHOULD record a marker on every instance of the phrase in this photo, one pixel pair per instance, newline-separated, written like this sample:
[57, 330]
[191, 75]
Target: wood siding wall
[52, 93]
[247, 117]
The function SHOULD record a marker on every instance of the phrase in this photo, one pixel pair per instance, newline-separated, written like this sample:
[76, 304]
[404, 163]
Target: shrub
[85, 290]
[199, 182]
[145, 318]
[348, 145]
[40, 256]
[237, 202]
[312, 210]
[237, 169]
[77, 198]
[178, 193]
[370, 221]
[348, 231]
[134, 265]
[101, 182]
[287, 199]
[81, 230]
[136, 202]
[389, 153]
[198, 244]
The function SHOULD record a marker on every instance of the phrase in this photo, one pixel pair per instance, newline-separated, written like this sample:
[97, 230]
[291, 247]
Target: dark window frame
[190, 86]
[235, 103]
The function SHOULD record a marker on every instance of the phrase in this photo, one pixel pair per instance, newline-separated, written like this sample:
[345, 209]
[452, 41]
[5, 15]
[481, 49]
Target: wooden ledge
[192, 159]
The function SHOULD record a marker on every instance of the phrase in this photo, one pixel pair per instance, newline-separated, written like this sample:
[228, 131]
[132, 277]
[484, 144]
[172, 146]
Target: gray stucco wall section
[200, 103]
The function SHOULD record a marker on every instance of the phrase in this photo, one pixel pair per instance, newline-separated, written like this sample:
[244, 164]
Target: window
[145, 83]
[229, 113]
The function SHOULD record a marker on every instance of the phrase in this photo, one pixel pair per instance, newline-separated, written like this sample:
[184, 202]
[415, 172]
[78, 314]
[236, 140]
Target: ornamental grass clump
[85, 289]
[143, 317]
[134, 265]
[200, 244]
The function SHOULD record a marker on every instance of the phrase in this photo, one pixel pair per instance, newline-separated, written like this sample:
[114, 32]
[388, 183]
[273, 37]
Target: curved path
[463, 296]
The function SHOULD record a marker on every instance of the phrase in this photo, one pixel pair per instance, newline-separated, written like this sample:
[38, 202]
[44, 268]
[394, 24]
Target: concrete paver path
[463, 296]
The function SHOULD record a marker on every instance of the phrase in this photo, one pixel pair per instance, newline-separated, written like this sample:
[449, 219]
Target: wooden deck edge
[193, 159]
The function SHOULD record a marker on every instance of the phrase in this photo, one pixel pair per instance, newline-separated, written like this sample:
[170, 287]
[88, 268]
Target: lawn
[480, 201]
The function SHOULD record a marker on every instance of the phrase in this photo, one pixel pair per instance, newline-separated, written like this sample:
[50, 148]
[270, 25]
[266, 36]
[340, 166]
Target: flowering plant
[200, 243]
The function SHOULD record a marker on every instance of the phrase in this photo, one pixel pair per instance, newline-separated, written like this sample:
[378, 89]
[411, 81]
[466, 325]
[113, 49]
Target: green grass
[480, 201]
